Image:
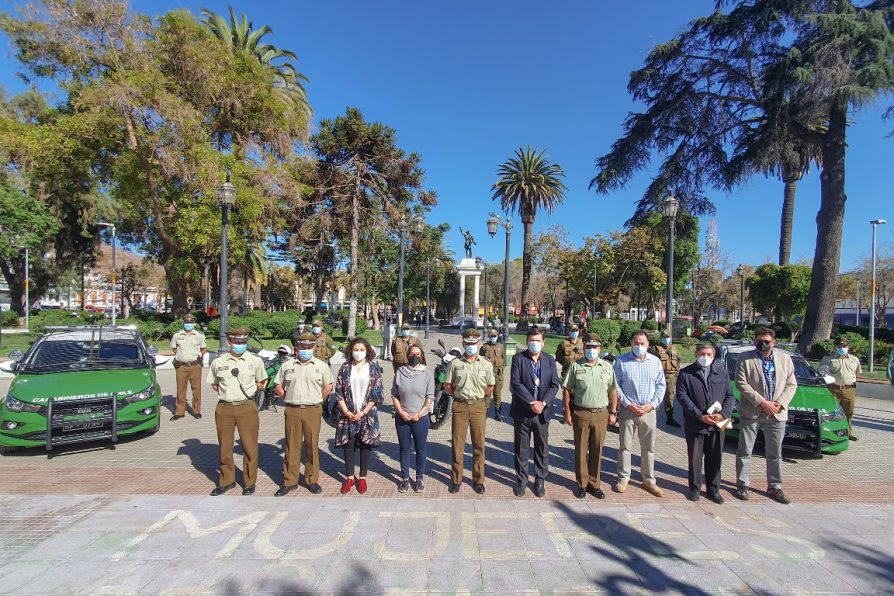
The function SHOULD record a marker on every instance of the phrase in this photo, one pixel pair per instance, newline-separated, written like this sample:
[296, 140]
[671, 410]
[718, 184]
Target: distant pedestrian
[641, 388]
[766, 382]
[844, 368]
[670, 363]
[358, 391]
[412, 394]
[699, 386]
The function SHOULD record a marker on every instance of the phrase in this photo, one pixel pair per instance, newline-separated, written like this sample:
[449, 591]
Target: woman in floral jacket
[358, 392]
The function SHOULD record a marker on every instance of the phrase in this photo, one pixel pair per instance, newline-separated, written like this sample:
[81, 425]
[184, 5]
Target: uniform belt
[468, 402]
[241, 402]
[590, 409]
[303, 406]
[190, 363]
[843, 386]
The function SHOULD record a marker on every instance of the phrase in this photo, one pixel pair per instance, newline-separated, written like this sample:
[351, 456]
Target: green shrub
[51, 318]
[9, 318]
[723, 323]
[152, 330]
[650, 325]
[608, 329]
[627, 330]
[882, 351]
[361, 326]
[821, 349]
[688, 342]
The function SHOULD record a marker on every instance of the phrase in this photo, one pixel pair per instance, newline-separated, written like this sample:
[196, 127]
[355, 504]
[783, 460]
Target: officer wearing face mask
[702, 385]
[298, 331]
[844, 367]
[189, 349]
[323, 344]
[401, 346]
[766, 382]
[494, 352]
[670, 362]
[571, 349]
[304, 383]
[236, 376]
[470, 381]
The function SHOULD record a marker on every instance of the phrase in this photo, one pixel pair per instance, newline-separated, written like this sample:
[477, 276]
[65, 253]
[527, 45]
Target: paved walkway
[138, 519]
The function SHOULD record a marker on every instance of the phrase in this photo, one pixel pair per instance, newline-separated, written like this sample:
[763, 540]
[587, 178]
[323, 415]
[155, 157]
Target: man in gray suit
[766, 381]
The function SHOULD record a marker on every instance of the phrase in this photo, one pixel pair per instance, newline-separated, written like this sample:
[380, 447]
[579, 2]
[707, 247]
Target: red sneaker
[346, 486]
[361, 486]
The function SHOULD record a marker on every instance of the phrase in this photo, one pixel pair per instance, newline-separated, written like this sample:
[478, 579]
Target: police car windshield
[91, 349]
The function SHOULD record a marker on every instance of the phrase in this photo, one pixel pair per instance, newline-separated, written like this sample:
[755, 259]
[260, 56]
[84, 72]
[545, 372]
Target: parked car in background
[816, 422]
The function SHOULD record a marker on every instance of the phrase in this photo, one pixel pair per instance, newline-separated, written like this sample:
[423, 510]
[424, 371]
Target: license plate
[87, 424]
[797, 435]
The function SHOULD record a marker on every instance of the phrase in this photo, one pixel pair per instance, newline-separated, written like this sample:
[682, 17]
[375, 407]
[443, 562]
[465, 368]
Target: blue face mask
[471, 349]
[491, 340]
[189, 326]
[305, 354]
[573, 335]
[591, 353]
[534, 347]
[640, 350]
[841, 350]
[666, 341]
[315, 330]
[404, 332]
[239, 349]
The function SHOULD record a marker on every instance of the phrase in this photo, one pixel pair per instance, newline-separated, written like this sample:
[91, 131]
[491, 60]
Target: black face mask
[415, 360]
[763, 346]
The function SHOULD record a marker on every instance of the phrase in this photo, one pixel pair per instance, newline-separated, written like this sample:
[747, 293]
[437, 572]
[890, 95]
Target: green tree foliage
[782, 290]
[528, 183]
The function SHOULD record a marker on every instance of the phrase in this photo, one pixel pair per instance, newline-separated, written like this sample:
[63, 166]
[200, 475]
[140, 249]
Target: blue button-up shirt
[640, 382]
[769, 366]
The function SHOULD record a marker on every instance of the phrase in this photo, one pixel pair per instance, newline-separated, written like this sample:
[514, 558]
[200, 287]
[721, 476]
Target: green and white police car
[80, 384]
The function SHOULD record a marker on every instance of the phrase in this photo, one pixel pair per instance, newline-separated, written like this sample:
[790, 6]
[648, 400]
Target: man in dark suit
[534, 383]
[699, 386]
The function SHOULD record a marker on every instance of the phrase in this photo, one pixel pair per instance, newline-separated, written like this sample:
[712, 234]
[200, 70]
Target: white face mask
[359, 355]
[705, 361]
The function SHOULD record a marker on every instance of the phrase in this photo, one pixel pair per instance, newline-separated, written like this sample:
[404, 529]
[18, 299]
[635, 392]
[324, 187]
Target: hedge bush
[650, 325]
[9, 318]
[608, 329]
[628, 328]
[51, 318]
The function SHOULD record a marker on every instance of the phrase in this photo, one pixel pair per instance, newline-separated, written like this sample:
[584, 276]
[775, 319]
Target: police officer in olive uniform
[571, 349]
[495, 353]
[189, 349]
[470, 381]
[401, 345]
[304, 382]
[323, 349]
[670, 362]
[298, 332]
[844, 367]
[236, 376]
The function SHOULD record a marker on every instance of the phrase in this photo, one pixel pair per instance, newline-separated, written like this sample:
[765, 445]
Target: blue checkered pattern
[769, 366]
[640, 382]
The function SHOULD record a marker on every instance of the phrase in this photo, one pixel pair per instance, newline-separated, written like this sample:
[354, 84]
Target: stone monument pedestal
[468, 268]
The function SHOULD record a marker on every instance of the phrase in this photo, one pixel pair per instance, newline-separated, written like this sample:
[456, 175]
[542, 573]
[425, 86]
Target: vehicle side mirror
[9, 365]
[16, 355]
[159, 360]
[829, 379]
[152, 350]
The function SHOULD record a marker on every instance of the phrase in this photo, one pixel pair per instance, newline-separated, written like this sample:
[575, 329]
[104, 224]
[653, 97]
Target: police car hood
[73, 386]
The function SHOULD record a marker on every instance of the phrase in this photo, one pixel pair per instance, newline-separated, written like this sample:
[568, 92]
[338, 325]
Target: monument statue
[470, 240]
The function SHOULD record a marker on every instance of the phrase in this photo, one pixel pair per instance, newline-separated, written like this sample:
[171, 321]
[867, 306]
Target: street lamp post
[478, 263]
[103, 224]
[427, 298]
[670, 212]
[492, 222]
[875, 223]
[418, 226]
[741, 273]
[226, 198]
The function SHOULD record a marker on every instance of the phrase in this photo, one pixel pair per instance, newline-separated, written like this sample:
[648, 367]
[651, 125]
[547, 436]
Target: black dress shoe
[693, 495]
[197, 416]
[315, 488]
[715, 496]
[597, 492]
[498, 417]
[219, 490]
[580, 492]
[248, 490]
[519, 489]
[478, 487]
[453, 488]
[741, 493]
[176, 417]
[539, 490]
[852, 438]
[777, 495]
[284, 490]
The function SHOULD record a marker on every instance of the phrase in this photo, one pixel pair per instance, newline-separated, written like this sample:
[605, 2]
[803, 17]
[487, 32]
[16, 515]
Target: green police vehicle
[816, 423]
[80, 384]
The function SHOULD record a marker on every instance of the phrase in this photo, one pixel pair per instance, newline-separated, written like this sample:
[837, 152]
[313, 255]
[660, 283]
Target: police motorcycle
[273, 361]
[443, 404]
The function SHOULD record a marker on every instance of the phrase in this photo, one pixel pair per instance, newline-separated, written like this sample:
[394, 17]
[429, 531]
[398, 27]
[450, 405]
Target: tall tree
[528, 182]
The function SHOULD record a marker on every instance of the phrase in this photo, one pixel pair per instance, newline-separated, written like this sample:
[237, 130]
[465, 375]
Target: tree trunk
[355, 253]
[15, 280]
[244, 294]
[790, 180]
[821, 299]
[528, 223]
[374, 301]
[178, 286]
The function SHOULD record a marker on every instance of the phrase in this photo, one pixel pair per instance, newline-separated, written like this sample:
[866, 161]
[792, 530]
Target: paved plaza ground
[138, 519]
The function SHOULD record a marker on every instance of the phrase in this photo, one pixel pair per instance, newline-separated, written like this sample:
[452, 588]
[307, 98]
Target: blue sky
[467, 83]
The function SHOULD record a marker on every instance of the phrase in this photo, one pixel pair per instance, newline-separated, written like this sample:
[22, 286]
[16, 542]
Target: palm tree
[528, 182]
[254, 272]
[240, 35]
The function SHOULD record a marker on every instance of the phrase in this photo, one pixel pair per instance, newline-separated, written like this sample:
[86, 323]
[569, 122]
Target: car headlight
[143, 395]
[14, 405]
[834, 416]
